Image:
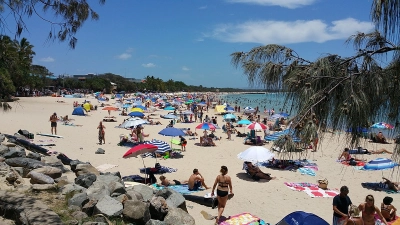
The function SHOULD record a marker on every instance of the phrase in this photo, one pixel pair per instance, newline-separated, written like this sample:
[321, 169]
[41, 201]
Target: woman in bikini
[369, 210]
[387, 209]
[224, 187]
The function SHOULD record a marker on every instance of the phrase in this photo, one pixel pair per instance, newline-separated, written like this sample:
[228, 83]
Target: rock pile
[92, 192]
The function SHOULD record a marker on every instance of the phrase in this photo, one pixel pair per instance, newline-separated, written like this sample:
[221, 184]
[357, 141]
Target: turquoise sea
[264, 101]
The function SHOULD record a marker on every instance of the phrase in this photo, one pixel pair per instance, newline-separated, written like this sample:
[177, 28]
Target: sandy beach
[270, 201]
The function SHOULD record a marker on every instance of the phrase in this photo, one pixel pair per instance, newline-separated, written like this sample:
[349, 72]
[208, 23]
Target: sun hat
[387, 200]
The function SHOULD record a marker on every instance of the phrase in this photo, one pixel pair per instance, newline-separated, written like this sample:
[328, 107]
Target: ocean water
[264, 101]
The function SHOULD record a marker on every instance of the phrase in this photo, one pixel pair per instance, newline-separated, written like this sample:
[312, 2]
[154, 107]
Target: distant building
[134, 80]
[84, 77]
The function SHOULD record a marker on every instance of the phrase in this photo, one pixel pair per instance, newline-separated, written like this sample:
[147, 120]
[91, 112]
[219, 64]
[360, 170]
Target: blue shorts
[196, 186]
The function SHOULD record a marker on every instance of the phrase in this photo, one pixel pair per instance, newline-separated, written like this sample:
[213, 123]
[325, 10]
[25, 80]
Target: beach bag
[323, 184]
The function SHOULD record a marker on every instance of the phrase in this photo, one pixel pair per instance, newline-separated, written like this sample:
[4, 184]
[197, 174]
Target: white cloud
[184, 68]
[291, 4]
[47, 59]
[149, 65]
[129, 50]
[124, 56]
[203, 7]
[199, 39]
[283, 32]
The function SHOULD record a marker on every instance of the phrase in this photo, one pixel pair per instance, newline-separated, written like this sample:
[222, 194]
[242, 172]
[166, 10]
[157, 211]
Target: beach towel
[312, 190]
[395, 222]
[378, 186]
[105, 167]
[183, 189]
[243, 219]
[161, 170]
[306, 171]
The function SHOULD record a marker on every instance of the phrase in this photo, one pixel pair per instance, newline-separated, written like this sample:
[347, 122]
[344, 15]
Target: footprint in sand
[207, 216]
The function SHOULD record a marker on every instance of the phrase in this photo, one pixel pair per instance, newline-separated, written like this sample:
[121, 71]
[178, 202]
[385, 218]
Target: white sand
[270, 201]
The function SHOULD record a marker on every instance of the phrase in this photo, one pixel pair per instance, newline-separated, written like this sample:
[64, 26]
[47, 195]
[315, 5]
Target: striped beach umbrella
[162, 146]
[275, 136]
[382, 125]
[257, 126]
[206, 126]
[380, 164]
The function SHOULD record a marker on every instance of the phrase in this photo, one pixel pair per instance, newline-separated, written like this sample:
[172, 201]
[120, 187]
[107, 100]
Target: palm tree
[339, 92]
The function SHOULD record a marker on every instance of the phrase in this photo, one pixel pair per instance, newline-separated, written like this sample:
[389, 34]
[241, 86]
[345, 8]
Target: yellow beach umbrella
[137, 110]
[220, 108]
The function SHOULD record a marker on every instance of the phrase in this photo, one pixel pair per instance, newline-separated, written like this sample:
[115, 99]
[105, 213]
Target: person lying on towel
[256, 173]
[394, 186]
[165, 182]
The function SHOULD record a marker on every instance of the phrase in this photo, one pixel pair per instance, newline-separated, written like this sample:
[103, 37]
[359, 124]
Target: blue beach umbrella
[171, 131]
[125, 106]
[169, 108]
[276, 135]
[161, 145]
[169, 116]
[380, 164]
[229, 116]
[244, 122]
[141, 107]
[137, 114]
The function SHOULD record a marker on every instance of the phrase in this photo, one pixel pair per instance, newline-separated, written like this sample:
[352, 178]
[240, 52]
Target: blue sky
[192, 41]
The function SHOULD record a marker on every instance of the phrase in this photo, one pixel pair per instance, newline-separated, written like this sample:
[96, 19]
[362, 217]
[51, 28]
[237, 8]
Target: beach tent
[78, 111]
[86, 106]
[302, 218]
[220, 108]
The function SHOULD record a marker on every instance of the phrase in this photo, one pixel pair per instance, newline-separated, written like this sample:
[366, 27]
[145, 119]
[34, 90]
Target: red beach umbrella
[206, 126]
[110, 108]
[257, 126]
[140, 149]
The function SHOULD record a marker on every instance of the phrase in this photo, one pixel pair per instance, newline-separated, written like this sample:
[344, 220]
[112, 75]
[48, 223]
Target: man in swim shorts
[53, 122]
[196, 181]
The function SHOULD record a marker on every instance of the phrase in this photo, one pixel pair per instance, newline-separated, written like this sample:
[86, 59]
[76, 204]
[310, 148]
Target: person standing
[53, 123]
[183, 143]
[341, 203]
[102, 133]
[224, 183]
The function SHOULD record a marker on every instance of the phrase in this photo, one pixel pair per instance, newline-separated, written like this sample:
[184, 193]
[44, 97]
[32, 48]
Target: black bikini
[222, 193]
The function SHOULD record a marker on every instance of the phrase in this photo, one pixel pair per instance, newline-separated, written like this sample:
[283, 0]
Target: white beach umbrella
[132, 123]
[256, 154]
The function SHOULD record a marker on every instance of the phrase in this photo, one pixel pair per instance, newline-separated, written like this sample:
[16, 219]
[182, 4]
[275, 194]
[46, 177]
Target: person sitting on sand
[196, 181]
[394, 186]
[190, 133]
[387, 209]
[256, 173]
[380, 138]
[165, 182]
[345, 155]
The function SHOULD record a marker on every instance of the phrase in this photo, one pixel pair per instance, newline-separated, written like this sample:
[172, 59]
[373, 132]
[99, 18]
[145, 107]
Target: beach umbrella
[256, 154]
[380, 164]
[276, 116]
[257, 126]
[206, 126]
[162, 146]
[187, 112]
[169, 116]
[137, 109]
[285, 115]
[132, 123]
[110, 108]
[125, 106]
[140, 149]
[169, 108]
[382, 125]
[244, 122]
[137, 114]
[171, 131]
[275, 136]
[141, 107]
[229, 116]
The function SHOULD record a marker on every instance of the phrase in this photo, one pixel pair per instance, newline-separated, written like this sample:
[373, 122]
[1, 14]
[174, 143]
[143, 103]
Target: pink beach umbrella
[256, 126]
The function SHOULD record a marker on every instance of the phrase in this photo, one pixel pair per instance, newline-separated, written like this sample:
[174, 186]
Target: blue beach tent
[78, 111]
[302, 218]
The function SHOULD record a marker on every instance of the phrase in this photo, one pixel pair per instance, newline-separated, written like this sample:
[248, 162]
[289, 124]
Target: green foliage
[70, 16]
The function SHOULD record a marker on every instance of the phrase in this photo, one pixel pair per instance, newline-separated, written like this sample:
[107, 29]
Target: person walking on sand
[224, 183]
[53, 123]
[102, 133]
